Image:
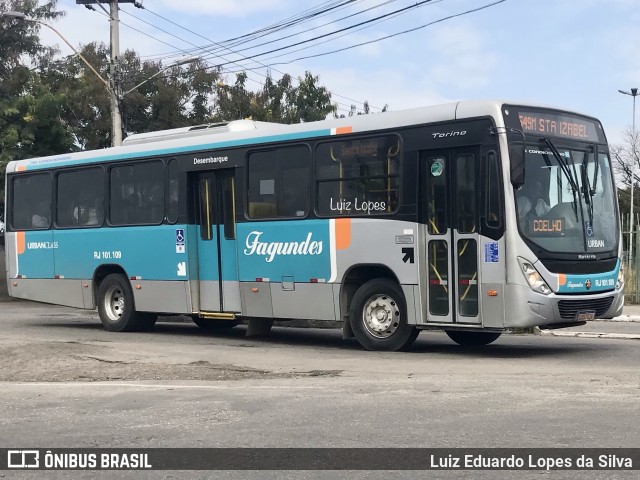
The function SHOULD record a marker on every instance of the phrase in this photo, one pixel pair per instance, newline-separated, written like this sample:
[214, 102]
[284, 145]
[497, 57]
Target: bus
[471, 217]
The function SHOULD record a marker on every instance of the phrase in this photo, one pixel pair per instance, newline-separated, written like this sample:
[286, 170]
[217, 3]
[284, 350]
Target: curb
[618, 336]
[621, 318]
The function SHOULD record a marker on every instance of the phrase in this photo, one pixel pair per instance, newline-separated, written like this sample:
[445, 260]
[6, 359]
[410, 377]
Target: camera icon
[23, 459]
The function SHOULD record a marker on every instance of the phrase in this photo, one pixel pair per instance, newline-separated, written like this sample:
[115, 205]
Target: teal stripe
[67, 160]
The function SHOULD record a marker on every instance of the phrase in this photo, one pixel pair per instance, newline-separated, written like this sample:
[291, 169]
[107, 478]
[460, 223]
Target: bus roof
[244, 132]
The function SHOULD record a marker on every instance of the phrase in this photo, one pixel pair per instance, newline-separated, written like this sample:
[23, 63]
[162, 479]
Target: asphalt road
[65, 382]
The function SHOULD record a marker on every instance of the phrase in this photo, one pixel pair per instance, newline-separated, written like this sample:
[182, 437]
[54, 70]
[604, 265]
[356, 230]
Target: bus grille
[569, 308]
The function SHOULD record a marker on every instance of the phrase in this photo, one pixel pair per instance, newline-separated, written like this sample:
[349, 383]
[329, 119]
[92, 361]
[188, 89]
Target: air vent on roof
[197, 130]
[208, 125]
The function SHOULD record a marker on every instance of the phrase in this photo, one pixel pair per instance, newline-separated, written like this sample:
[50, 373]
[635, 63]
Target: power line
[260, 32]
[416, 5]
[228, 61]
[433, 2]
[319, 26]
[221, 69]
[394, 34]
[244, 67]
[297, 19]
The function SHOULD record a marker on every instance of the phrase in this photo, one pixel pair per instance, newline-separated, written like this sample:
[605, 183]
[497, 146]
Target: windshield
[567, 202]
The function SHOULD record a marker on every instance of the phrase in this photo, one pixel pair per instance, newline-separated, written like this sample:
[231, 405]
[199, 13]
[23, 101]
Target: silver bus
[471, 217]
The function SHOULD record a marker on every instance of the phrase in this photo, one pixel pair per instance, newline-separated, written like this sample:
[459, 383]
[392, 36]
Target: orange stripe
[343, 233]
[562, 279]
[21, 243]
[342, 130]
[21, 168]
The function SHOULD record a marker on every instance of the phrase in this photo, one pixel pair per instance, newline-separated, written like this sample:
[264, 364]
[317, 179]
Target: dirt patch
[76, 361]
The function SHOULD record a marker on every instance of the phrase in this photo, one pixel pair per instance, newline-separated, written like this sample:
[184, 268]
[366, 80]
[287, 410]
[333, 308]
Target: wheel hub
[114, 304]
[381, 316]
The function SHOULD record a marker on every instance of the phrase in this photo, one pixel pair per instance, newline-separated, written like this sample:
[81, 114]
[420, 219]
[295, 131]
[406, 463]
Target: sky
[573, 54]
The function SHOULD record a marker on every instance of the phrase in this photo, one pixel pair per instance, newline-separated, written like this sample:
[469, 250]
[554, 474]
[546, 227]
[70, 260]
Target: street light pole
[634, 94]
[22, 16]
[175, 64]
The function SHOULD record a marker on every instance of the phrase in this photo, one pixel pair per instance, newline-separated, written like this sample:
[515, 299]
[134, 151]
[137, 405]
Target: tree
[59, 105]
[622, 157]
[235, 102]
[366, 110]
[309, 101]
[278, 101]
[165, 98]
[86, 107]
[31, 121]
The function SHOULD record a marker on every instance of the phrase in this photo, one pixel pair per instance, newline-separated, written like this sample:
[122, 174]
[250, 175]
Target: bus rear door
[217, 254]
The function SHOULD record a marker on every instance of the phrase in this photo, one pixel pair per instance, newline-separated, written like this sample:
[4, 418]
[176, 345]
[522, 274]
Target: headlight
[620, 282]
[534, 279]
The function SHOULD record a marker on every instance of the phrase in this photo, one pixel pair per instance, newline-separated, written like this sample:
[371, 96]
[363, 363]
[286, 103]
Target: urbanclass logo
[269, 250]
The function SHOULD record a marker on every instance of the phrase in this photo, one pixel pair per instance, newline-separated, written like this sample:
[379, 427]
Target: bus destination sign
[558, 125]
[546, 226]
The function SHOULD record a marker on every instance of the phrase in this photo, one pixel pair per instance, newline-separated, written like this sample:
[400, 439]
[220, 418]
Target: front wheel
[472, 339]
[116, 306]
[378, 317]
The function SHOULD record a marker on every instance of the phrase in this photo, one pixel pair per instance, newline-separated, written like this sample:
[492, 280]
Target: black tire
[472, 339]
[386, 330]
[116, 306]
[214, 324]
[147, 320]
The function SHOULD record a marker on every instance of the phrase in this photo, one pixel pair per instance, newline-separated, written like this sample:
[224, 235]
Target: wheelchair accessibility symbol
[180, 240]
[589, 229]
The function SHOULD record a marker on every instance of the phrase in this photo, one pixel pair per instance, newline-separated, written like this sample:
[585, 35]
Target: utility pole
[114, 94]
[633, 93]
[114, 67]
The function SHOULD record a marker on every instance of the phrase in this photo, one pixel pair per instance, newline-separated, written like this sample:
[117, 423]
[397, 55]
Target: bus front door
[217, 253]
[451, 214]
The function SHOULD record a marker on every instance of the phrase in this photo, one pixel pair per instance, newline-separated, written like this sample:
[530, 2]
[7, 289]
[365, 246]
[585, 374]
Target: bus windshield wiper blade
[564, 166]
[589, 189]
[587, 192]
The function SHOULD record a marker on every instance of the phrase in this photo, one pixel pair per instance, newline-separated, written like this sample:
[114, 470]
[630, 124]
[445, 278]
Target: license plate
[585, 316]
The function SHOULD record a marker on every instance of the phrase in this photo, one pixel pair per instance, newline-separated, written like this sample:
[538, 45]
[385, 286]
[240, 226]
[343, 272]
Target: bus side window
[437, 196]
[80, 198]
[31, 202]
[358, 176]
[279, 183]
[228, 208]
[137, 194]
[205, 189]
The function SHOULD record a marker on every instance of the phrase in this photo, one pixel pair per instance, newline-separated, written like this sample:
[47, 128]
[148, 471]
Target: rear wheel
[116, 306]
[378, 317]
[207, 324]
[472, 339]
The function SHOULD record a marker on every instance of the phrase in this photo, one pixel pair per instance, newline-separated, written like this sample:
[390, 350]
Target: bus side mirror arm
[516, 154]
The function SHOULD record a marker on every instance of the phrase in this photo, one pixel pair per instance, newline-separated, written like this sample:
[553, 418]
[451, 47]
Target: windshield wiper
[586, 190]
[564, 166]
[589, 190]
